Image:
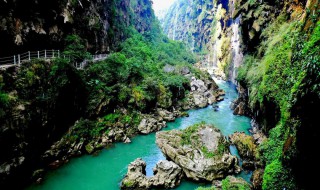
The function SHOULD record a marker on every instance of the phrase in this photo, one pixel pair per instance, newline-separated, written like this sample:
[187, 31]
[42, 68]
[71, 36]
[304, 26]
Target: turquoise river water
[105, 171]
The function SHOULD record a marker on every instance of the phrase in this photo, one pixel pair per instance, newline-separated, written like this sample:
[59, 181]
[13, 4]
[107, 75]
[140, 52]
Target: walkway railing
[94, 58]
[17, 60]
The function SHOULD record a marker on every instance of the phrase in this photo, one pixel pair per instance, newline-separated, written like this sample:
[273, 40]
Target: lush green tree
[75, 49]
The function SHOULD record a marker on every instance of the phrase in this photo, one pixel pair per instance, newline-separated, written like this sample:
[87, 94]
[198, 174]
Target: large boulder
[136, 176]
[166, 115]
[198, 85]
[245, 145]
[185, 71]
[200, 150]
[169, 68]
[200, 100]
[167, 175]
[150, 124]
[202, 93]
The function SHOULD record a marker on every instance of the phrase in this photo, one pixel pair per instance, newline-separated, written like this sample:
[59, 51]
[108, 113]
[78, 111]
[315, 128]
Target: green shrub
[277, 177]
[285, 69]
[236, 185]
[4, 99]
[75, 48]
[207, 153]
[186, 134]
[83, 129]
[134, 76]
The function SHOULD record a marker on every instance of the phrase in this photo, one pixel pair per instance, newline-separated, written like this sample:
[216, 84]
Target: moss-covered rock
[201, 150]
[89, 148]
[245, 145]
[166, 175]
[233, 183]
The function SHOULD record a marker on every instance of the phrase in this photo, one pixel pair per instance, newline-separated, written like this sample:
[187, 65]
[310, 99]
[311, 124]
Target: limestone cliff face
[33, 25]
[189, 21]
[208, 29]
[221, 31]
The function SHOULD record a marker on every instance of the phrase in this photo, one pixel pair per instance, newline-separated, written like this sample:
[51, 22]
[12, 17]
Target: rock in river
[245, 145]
[167, 174]
[200, 150]
[150, 124]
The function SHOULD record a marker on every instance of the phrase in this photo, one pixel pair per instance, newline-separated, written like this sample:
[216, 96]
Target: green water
[105, 171]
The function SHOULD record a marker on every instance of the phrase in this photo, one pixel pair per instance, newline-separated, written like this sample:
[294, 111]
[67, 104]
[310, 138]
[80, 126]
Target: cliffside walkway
[17, 60]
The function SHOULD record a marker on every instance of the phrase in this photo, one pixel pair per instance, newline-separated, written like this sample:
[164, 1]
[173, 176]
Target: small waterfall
[237, 55]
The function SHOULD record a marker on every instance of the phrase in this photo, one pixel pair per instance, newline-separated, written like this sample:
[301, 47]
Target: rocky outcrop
[257, 178]
[150, 124]
[258, 136]
[255, 16]
[248, 149]
[207, 29]
[68, 146]
[166, 175]
[245, 145]
[202, 93]
[240, 105]
[200, 150]
[156, 121]
[136, 176]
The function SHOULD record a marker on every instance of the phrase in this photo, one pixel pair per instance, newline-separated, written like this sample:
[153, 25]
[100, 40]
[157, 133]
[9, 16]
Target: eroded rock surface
[167, 174]
[245, 145]
[200, 150]
[202, 93]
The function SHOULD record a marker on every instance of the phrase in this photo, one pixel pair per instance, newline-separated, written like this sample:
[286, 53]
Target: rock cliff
[209, 30]
[280, 43]
[263, 47]
[28, 25]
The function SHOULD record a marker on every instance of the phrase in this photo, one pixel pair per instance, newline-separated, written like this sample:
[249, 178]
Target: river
[105, 170]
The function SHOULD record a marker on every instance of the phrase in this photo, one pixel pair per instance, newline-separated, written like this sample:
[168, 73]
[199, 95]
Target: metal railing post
[29, 55]
[19, 59]
[45, 54]
[58, 53]
[52, 53]
[38, 55]
[14, 59]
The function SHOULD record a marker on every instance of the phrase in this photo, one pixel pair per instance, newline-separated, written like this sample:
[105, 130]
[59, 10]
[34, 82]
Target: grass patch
[207, 153]
[187, 133]
[236, 185]
[128, 183]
